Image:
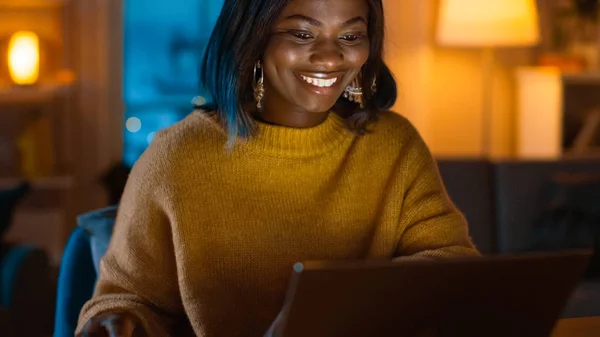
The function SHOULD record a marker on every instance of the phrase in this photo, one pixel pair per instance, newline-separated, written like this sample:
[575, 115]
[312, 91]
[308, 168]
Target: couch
[501, 201]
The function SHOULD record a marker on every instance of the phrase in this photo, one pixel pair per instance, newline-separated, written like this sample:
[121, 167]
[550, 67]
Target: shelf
[51, 183]
[39, 94]
[582, 78]
[32, 4]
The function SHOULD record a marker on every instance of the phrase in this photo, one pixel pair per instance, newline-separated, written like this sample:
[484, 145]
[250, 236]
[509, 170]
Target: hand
[111, 325]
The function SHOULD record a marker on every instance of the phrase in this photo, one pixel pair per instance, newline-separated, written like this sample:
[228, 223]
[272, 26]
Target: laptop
[498, 296]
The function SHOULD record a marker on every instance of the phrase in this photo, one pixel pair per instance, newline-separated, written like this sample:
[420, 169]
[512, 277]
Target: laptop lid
[489, 296]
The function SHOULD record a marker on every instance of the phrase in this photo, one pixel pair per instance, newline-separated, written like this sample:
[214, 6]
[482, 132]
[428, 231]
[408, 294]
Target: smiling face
[316, 49]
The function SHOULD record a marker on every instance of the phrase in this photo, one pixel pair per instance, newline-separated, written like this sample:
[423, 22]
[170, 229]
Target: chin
[317, 107]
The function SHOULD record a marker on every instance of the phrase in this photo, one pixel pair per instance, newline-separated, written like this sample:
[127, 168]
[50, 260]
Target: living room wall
[440, 87]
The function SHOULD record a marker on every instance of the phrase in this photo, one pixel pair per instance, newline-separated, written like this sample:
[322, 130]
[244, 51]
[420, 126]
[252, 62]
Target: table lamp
[24, 58]
[487, 24]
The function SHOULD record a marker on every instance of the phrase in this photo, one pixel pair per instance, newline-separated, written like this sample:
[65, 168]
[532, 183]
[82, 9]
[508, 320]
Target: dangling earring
[354, 92]
[258, 84]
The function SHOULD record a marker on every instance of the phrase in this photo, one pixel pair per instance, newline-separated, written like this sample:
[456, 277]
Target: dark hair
[227, 70]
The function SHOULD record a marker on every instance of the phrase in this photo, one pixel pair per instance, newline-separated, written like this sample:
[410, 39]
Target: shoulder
[398, 139]
[390, 123]
[173, 146]
[198, 130]
[395, 130]
[394, 137]
[199, 126]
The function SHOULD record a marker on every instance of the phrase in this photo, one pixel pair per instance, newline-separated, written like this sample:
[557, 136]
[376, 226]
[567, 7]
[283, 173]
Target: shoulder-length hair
[238, 40]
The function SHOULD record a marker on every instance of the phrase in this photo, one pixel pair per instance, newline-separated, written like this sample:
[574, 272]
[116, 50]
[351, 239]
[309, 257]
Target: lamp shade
[488, 23]
[24, 57]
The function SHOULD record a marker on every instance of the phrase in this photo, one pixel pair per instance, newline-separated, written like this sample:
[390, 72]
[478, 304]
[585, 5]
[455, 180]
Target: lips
[320, 83]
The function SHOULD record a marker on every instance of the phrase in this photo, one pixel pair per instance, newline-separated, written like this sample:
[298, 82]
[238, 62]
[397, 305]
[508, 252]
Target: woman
[297, 159]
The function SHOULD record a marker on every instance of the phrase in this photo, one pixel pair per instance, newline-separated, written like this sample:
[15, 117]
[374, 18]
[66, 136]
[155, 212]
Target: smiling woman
[333, 46]
[314, 53]
[296, 158]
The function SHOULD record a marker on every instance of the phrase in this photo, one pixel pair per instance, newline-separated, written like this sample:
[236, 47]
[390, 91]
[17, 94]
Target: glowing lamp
[24, 58]
[488, 24]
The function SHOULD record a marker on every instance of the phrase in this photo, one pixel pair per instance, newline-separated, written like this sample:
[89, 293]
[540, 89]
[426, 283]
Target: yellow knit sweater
[206, 238]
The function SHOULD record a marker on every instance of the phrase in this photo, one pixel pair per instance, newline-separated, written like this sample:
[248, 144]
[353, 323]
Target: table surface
[577, 327]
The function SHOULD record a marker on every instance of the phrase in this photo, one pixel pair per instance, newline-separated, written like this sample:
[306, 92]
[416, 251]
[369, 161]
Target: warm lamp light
[487, 24]
[24, 58]
[480, 23]
[539, 117]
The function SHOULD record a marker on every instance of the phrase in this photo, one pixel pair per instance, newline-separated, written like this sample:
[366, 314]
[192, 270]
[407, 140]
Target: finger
[119, 326]
[93, 329]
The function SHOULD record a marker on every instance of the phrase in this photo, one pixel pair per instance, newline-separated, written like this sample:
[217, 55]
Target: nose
[327, 56]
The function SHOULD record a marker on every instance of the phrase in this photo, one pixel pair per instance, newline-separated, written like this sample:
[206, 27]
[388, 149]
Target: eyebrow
[318, 23]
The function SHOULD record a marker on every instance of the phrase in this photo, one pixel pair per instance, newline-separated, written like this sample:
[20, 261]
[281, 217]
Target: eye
[352, 37]
[301, 35]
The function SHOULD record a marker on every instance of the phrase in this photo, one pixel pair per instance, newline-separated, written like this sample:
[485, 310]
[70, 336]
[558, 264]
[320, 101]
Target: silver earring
[258, 84]
[354, 92]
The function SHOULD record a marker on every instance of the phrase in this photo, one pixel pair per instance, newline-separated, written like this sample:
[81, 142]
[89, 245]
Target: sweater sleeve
[138, 274]
[430, 225]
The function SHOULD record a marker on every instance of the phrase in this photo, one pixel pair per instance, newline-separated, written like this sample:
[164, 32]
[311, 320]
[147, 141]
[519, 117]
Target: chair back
[79, 267]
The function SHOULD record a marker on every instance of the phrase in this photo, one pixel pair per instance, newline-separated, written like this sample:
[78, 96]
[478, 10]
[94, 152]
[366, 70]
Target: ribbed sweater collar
[281, 141]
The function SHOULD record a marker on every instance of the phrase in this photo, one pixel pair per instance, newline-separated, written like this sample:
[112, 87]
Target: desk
[577, 327]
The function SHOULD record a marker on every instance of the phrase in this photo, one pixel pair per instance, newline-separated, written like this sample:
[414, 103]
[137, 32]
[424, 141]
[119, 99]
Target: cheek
[279, 55]
[358, 55]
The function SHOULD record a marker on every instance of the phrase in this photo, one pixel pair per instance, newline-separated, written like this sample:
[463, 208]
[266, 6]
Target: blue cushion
[10, 266]
[76, 282]
[98, 225]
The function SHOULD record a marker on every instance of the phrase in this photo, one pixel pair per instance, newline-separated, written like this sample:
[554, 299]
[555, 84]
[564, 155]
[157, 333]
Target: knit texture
[206, 237]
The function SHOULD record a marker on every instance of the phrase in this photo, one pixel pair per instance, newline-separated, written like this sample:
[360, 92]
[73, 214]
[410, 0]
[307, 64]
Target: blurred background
[506, 93]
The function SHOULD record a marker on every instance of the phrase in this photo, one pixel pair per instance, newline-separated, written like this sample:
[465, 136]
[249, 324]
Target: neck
[279, 113]
[291, 119]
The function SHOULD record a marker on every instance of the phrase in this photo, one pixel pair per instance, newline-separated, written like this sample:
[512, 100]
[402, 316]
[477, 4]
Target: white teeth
[319, 82]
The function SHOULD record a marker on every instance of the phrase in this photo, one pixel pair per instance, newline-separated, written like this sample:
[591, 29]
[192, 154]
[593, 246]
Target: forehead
[327, 11]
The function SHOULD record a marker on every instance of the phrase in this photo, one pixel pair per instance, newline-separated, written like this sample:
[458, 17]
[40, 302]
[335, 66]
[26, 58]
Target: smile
[319, 82]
